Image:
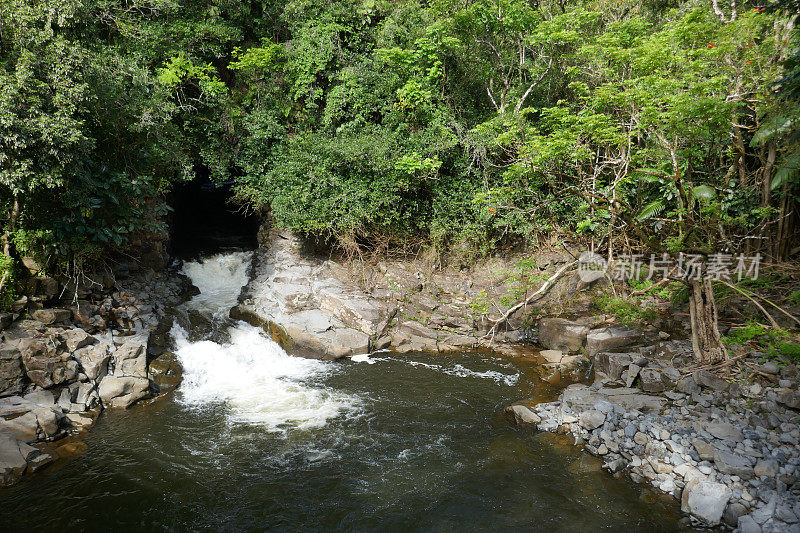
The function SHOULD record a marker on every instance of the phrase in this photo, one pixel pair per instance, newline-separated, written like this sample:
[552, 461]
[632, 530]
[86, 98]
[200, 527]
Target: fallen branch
[538, 294]
[749, 297]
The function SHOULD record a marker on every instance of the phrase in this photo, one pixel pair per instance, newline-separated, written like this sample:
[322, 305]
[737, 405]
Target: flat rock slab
[300, 301]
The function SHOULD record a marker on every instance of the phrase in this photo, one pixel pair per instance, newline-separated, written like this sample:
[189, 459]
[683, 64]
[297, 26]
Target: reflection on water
[257, 440]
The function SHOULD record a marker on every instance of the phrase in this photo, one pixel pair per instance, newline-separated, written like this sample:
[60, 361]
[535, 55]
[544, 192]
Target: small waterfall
[257, 381]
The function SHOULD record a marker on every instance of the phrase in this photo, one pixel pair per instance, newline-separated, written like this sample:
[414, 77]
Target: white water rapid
[257, 381]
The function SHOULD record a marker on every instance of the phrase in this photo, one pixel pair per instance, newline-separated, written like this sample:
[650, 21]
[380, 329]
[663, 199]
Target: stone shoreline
[62, 366]
[728, 451]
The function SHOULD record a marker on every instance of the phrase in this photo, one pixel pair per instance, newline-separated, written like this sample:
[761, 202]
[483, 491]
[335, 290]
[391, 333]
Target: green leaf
[788, 171]
[652, 209]
[703, 192]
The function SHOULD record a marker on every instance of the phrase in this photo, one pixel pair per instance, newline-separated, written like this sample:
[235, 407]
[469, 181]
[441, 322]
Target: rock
[732, 514]
[592, 419]
[94, 359]
[725, 431]
[687, 385]
[552, 356]
[705, 500]
[76, 338]
[746, 524]
[42, 398]
[51, 316]
[770, 367]
[610, 339]
[522, 415]
[704, 449]
[733, 464]
[767, 468]
[39, 462]
[42, 365]
[709, 380]
[122, 391]
[130, 360]
[790, 398]
[640, 438]
[301, 301]
[631, 374]
[48, 421]
[562, 334]
[6, 319]
[652, 380]
[24, 428]
[12, 464]
[612, 364]
[12, 374]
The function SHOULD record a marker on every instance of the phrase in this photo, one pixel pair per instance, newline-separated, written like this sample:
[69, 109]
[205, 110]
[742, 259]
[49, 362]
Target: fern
[652, 209]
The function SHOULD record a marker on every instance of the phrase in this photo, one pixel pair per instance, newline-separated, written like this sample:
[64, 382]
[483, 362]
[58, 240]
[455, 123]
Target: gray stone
[612, 364]
[12, 375]
[76, 338]
[42, 365]
[732, 514]
[610, 339]
[302, 302]
[705, 500]
[94, 359]
[687, 385]
[51, 316]
[790, 398]
[725, 431]
[631, 374]
[522, 415]
[48, 421]
[24, 428]
[709, 380]
[746, 524]
[592, 419]
[12, 464]
[767, 467]
[130, 360]
[733, 464]
[704, 449]
[562, 334]
[42, 398]
[652, 380]
[117, 391]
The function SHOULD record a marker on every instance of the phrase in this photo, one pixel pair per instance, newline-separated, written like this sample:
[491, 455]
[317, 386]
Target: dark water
[421, 448]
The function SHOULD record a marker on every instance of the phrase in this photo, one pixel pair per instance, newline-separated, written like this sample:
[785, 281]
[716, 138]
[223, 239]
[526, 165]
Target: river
[254, 439]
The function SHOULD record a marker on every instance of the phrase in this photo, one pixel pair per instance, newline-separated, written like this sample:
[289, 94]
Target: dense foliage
[485, 123]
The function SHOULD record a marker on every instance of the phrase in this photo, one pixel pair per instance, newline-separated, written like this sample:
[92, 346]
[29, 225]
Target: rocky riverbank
[727, 448]
[61, 366]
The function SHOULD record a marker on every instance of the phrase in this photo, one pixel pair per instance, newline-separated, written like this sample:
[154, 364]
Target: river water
[254, 439]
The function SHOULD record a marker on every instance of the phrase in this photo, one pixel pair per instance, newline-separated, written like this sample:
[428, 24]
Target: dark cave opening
[205, 221]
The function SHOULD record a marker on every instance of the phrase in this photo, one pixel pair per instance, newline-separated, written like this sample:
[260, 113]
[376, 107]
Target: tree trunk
[706, 339]
[5, 239]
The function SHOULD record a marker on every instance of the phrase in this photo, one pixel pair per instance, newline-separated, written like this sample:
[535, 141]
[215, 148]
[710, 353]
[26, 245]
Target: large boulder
[76, 338]
[51, 316]
[705, 500]
[94, 359]
[307, 304]
[12, 375]
[12, 463]
[562, 334]
[43, 366]
[130, 359]
[612, 364]
[610, 339]
[122, 392]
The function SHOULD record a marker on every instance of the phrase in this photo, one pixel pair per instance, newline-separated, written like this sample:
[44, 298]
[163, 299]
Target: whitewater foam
[251, 374]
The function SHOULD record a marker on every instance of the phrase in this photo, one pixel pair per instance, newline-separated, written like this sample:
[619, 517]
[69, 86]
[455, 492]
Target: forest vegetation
[469, 126]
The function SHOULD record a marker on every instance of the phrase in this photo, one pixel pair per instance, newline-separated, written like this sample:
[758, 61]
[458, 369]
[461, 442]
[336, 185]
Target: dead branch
[536, 295]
